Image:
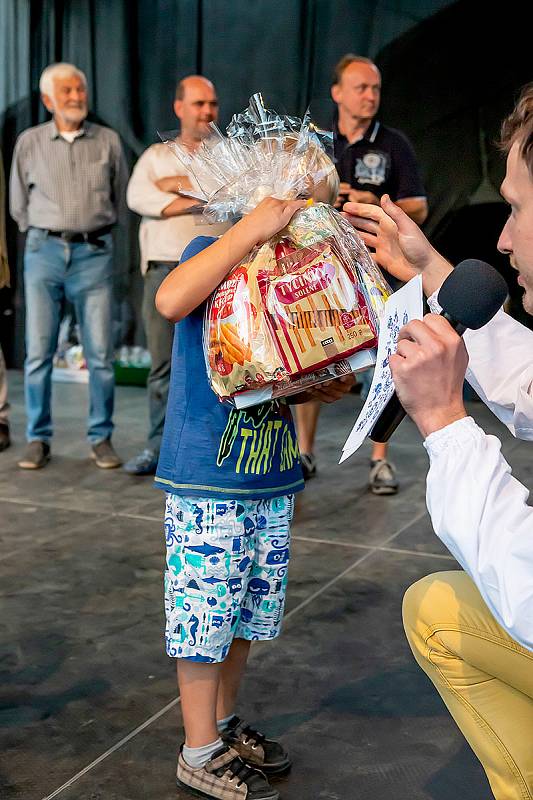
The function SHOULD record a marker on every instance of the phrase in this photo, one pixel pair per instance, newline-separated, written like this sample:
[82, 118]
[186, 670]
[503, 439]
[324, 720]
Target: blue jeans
[81, 272]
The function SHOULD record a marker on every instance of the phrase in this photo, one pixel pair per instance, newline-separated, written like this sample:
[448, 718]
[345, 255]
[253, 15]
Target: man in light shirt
[67, 186]
[472, 631]
[170, 220]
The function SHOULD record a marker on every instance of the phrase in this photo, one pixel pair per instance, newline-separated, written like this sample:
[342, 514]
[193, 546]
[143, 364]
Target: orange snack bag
[241, 351]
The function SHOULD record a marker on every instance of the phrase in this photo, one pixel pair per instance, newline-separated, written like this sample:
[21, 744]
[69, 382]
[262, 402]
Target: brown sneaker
[104, 455]
[36, 455]
[226, 777]
[254, 748]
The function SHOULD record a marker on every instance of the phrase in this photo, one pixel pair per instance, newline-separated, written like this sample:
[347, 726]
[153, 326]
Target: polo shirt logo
[371, 168]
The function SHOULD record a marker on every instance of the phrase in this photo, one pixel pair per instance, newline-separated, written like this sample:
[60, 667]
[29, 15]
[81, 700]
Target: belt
[156, 264]
[92, 237]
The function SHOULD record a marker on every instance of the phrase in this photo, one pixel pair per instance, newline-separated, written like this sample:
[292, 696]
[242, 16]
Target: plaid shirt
[74, 186]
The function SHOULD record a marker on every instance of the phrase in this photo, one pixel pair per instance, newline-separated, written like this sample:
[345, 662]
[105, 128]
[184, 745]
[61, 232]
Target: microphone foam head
[473, 293]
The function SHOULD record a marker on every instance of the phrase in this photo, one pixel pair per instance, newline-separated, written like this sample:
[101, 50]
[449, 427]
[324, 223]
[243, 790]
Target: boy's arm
[326, 392]
[186, 287]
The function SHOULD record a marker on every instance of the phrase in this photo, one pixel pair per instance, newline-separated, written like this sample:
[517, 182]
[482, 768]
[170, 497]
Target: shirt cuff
[433, 303]
[460, 432]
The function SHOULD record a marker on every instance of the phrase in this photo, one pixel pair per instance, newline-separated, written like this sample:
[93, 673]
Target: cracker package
[304, 306]
[241, 350]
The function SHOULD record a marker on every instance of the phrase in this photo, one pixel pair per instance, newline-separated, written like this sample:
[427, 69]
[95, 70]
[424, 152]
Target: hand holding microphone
[429, 366]
[428, 371]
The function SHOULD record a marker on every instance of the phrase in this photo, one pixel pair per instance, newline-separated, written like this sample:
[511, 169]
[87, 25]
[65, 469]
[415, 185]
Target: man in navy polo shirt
[372, 160]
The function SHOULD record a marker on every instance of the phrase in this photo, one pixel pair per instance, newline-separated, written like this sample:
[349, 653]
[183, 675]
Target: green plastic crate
[131, 376]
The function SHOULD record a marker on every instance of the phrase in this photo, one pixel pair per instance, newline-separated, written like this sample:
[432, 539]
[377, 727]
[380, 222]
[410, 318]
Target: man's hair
[349, 58]
[518, 127]
[60, 70]
[180, 87]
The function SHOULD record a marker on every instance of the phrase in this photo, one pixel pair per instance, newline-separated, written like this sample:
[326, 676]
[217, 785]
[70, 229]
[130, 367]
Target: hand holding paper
[402, 307]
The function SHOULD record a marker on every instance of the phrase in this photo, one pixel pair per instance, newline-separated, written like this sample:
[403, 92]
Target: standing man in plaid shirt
[68, 181]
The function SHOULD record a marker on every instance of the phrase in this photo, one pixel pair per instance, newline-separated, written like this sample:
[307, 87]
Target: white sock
[222, 724]
[197, 757]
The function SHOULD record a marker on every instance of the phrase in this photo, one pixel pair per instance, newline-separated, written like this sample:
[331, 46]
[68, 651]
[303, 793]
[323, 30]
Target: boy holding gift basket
[230, 478]
[231, 473]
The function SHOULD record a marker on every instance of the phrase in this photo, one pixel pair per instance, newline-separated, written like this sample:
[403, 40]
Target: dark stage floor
[88, 707]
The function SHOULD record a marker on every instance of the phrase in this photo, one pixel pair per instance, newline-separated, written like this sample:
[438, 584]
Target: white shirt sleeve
[480, 513]
[500, 369]
[142, 195]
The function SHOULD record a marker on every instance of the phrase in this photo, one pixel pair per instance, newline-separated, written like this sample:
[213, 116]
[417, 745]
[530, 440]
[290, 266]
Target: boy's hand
[267, 218]
[330, 391]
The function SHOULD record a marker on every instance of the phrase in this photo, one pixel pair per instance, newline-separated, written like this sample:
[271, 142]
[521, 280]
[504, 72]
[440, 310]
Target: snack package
[241, 350]
[308, 298]
[305, 306]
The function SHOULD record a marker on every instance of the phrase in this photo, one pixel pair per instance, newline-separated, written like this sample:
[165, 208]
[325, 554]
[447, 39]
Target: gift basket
[305, 306]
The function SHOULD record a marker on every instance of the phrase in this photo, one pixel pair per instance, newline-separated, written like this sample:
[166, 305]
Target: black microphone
[470, 297]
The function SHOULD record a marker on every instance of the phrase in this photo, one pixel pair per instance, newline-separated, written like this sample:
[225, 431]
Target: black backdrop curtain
[449, 82]
[133, 51]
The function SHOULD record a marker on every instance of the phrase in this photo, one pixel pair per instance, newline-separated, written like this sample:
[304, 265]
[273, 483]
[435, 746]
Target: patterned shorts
[226, 572]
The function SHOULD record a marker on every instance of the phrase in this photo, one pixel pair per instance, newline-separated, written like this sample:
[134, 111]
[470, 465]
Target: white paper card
[401, 307]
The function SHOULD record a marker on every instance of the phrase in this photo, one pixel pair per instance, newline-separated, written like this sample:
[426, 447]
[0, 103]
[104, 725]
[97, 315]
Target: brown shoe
[254, 748]
[105, 456]
[36, 455]
[225, 777]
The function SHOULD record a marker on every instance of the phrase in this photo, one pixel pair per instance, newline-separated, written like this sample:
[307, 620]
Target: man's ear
[336, 93]
[178, 105]
[47, 101]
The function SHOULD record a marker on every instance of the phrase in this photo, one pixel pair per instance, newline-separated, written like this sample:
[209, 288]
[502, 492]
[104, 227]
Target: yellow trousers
[484, 677]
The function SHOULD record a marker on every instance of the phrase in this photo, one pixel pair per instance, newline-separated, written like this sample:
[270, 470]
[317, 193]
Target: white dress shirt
[477, 508]
[163, 238]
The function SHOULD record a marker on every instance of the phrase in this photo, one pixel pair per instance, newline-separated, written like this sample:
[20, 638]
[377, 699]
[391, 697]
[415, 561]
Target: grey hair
[60, 70]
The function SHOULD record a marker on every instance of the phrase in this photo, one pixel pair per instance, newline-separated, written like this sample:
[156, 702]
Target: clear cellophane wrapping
[308, 298]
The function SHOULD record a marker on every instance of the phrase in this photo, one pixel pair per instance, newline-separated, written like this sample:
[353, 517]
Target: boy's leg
[206, 764]
[261, 614]
[207, 556]
[198, 684]
[232, 670]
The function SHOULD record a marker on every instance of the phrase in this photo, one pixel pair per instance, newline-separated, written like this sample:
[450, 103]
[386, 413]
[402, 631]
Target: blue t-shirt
[210, 449]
